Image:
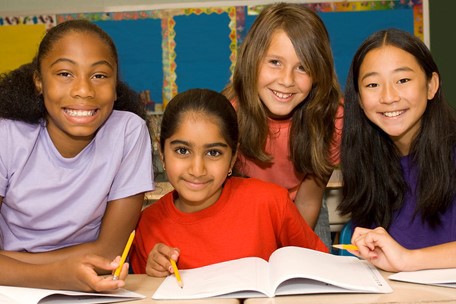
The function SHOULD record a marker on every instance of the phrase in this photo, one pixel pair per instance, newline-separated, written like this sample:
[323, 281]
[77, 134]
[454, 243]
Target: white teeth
[282, 95]
[79, 113]
[393, 114]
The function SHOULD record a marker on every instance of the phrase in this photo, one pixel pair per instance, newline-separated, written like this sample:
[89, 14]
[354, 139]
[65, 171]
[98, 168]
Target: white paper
[439, 277]
[22, 295]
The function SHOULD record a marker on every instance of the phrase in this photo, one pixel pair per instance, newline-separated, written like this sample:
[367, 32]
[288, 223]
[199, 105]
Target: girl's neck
[67, 145]
[187, 206]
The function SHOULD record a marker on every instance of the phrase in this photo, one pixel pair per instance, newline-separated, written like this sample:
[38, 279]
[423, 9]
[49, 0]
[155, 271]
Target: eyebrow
[401, 69]
[186, 143]
[101, 62]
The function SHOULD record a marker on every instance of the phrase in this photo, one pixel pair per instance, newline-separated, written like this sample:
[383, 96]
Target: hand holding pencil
[176, 273]
[124, 256]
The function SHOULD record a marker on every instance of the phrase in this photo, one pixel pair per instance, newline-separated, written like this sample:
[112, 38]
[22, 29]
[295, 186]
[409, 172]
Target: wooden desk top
[145, 285]
[335, 181]
[161, 189]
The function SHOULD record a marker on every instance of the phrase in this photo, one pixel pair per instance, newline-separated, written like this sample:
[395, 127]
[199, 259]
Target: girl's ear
[38, 83]
[433, 86]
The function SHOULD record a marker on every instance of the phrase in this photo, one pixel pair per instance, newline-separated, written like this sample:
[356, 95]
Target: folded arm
[77, 267]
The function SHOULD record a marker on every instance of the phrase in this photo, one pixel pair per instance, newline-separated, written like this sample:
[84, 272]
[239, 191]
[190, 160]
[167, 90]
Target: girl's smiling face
[78, 82]
[197, 159]
[283, 83]
[394, 93]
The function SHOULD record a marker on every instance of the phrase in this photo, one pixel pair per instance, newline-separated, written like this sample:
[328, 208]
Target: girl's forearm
[439, 256]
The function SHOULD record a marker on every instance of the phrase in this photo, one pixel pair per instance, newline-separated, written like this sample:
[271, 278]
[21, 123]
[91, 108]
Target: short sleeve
[135, 173]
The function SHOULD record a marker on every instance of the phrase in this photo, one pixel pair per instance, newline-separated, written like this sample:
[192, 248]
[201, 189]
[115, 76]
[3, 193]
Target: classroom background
[166, 47]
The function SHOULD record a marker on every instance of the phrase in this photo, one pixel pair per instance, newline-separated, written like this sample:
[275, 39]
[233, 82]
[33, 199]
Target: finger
[106, 283]
[167, 251]
[124, 271]
[155, 273]
[96, 261]
[358, 232]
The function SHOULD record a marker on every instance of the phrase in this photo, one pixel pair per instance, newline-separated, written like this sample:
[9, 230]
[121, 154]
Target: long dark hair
[374, 186]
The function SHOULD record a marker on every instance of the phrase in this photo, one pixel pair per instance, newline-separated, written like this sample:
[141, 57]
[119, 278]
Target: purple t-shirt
[49, 201]
[410, 231]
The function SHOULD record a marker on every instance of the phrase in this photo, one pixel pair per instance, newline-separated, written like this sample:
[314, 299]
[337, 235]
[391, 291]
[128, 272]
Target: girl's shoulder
[121, 125]
[125, 118]
[18, 130]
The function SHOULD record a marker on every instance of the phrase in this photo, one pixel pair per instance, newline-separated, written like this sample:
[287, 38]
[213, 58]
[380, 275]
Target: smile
[393, 114]
[282, 95]
[80, 113]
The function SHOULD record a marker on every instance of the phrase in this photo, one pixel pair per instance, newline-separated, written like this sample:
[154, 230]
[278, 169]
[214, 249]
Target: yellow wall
[19, 44]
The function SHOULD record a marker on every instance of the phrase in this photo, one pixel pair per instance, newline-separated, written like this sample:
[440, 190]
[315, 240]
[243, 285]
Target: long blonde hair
[312, 126]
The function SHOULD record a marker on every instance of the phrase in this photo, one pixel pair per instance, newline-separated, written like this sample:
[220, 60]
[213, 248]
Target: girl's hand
[158, 264]
[379, 248]
[79, 273]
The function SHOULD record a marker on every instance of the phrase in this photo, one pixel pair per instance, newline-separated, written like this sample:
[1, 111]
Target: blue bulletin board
[139, 48]
[347, 30]
[202, 51]
[169, 51]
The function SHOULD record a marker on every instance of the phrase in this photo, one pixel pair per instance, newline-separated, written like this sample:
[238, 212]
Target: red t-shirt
[251, 218]
[281, 171]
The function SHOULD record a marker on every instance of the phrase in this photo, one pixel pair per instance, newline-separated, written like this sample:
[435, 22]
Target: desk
[161, 189]
[335, 180]
[402, 293]
[146, 285]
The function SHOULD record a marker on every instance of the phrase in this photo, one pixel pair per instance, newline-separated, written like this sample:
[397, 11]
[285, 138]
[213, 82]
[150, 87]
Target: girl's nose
[82, 88]
[287, 78]
[197, 167]
[389, 94]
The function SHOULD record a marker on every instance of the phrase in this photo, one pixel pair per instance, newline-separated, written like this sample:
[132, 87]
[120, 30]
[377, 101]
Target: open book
[438, 277]
[291, 270]
[22, 295]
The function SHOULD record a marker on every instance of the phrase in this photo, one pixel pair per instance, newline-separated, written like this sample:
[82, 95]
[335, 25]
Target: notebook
[438, 277]
[290, 270]
[22, 295]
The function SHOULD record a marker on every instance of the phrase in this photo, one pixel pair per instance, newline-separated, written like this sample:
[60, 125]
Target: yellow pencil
[176, 273]
[346, 246]
[124, 255]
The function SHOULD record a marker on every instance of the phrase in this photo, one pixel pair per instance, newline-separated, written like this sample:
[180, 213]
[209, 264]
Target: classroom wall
[33, 7]
[166, 51]
[443, 43]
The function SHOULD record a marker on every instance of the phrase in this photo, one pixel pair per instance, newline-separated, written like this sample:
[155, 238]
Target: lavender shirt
[411, 232]
[50, 202]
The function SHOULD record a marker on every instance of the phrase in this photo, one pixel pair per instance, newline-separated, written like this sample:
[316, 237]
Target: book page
[22, 295]
[439, 277]
[317, 272]
[246, 274]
